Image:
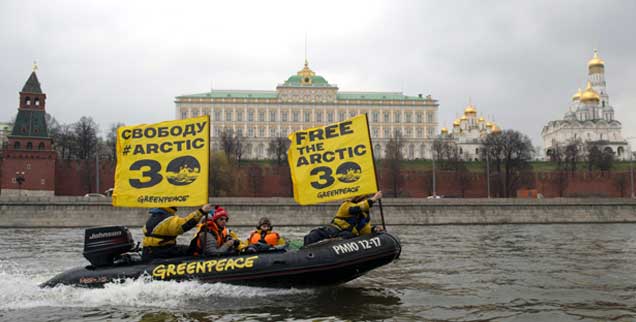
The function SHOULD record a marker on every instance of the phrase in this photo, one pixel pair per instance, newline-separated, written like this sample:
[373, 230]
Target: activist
[162, 228]
[219, 240]
[264, 237]
[352, 219]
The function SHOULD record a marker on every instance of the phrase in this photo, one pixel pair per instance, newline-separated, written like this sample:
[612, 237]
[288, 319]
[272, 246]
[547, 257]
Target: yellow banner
[332, 162]
[163, 164]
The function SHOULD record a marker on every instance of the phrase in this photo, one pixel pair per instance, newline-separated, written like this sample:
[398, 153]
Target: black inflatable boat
[326, 263]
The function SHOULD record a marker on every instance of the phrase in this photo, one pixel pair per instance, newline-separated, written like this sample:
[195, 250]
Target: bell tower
[28, 165]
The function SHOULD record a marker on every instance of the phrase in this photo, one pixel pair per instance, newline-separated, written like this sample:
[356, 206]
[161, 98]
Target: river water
[580, 272]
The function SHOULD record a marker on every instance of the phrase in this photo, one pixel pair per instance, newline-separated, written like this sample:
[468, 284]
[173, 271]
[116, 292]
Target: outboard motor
[103, 244]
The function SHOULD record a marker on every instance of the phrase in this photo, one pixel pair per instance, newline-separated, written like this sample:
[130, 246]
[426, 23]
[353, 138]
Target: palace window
[261, 132]
[396, 117]
[409, 132]
[195, 113]
[307, 116]
[250, 116]
[272, 132]
[29, 146]
[318, 116]
[184, 115]
[429, 117]
[419, 117]
[352, 113]
[272, 116]
[250, 132]
[217, 116]
[41, 146]
[261, 116]
[386, 132]
[408, 116]
[37, 102]
[386, 117]
[239, 116]
[329, 117]
[284, 116]
[342, 116]
[375, 132]
[239, 132]
[228, 116]
[295, 116]
[375, 117]
[419, 133]
[430, 132]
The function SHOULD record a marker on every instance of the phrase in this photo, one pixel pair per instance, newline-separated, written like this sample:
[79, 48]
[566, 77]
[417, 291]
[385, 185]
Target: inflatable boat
[109, 250]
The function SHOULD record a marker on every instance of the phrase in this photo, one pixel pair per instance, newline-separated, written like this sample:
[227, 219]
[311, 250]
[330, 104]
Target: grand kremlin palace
[307, 100]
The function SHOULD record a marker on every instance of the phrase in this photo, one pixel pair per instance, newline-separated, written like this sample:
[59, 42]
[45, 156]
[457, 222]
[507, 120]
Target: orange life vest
[214, 230]
[269, 237]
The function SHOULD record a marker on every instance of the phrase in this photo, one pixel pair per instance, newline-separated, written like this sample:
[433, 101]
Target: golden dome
[495, 129]
[595, 61]
[481, 120]
[470, 110]
[456, 123]
[463, 118]
[577, 96]
[488, 124]
[444, 130]
[590, 94]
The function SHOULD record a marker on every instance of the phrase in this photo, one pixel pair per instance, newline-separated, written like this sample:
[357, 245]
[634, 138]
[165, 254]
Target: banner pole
[207, 187]
[375, 172]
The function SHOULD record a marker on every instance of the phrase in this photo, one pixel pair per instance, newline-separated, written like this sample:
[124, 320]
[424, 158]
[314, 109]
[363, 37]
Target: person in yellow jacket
[162, 228]
[217, 238]
[264, 237]
[352, 219]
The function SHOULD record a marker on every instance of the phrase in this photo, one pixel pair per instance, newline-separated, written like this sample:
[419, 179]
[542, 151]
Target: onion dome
[596, 61]
[444, 130]
[590, 95]
[577, 95]
[489, 125]
[481, 120]
[463, 118]
[470, 110]
[456, 123]
[495, 129]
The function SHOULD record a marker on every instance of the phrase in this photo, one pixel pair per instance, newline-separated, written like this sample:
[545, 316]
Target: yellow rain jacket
[354, 217]
[163, 226]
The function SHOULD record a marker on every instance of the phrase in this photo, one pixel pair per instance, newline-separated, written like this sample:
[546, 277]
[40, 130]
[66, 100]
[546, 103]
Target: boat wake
[20, 290]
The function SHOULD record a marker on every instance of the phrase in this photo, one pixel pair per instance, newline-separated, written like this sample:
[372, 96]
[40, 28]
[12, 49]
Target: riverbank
[84, 212]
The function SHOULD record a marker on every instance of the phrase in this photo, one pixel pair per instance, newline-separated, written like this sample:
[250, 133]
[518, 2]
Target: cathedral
[467, 133]
[589, 118]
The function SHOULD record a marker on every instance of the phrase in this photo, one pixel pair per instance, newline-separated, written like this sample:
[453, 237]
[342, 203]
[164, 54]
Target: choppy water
[446, 273]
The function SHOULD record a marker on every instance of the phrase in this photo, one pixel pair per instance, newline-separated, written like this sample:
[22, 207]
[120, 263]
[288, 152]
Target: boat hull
[329, 263]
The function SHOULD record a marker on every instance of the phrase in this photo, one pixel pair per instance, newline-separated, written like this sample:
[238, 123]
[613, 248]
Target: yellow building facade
[307, 100]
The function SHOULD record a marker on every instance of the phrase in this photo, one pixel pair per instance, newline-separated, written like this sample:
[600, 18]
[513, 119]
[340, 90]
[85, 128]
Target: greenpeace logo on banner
[332, 162]
[163, 164]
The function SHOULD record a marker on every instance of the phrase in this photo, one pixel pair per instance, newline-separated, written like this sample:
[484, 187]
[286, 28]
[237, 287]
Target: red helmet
[219, 212]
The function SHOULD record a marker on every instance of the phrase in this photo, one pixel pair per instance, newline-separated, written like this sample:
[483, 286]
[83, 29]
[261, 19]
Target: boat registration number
[355, 246]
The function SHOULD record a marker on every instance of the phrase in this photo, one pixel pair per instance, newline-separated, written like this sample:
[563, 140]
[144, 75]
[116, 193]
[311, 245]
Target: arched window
[27, 101]
[29, 146]
[41, 146]
[620, 151]
[16, 145]
[37, 102]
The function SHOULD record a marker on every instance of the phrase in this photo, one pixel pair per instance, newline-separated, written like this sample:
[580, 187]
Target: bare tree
[509, 152]
[598, 158]
[233, 145]
[111, 141]
[85, 131]
[394, 157]
[220, 175]
[277, 148]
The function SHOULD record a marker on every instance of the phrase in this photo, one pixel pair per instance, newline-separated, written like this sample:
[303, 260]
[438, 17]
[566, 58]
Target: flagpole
[375, 172]
[207, 187]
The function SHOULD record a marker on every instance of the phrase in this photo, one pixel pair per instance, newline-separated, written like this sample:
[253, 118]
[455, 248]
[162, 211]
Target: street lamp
[488, 171]
[631, 166]
[19, 178]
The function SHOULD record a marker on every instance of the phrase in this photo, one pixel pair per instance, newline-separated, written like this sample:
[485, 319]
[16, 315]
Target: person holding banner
[162, 228]
[218, 239]
[352, 219]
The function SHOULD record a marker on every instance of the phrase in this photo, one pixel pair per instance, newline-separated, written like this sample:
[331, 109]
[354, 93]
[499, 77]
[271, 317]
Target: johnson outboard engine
[102, 245]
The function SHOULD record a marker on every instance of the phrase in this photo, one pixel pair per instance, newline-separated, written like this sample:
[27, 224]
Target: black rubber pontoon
[328, 263]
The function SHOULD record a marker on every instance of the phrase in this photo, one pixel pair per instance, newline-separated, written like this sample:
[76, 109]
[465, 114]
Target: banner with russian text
[163, 164]
[332, 162]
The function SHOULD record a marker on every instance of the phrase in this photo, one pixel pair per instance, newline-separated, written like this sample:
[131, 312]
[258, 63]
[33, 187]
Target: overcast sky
[125, 61]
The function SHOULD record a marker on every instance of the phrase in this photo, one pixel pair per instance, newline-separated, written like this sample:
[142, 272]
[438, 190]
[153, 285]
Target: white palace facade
[307, 100]
[589, 118]
[468, 132]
